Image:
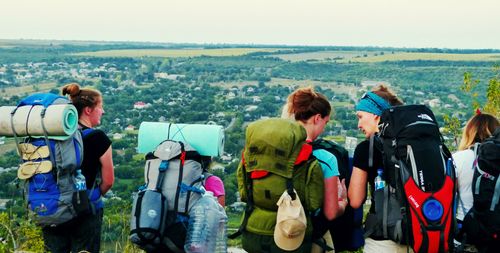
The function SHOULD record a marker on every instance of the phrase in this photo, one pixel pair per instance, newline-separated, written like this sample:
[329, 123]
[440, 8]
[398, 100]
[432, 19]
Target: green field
[326, 55]
[175, 52]
[376, 56]
[23, 90]
[428, 57]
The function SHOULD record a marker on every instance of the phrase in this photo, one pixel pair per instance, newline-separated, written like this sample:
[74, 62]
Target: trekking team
[305, 116]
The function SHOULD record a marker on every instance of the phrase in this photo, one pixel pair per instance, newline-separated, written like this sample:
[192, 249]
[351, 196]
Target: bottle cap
[432, 210]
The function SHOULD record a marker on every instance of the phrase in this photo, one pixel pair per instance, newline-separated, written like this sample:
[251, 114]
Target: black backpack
[416, 205]
[482, 223]
[346, 230]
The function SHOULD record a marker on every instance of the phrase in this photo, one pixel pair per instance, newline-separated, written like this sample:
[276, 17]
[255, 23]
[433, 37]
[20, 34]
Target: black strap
[15, 133]
[179, 180]
[289, 188]
[385, 212]
[370, 151]
[247, 182]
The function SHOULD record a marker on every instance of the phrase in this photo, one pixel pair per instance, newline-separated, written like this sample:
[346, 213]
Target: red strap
[256, 174]
[304, 153]
[183, 157]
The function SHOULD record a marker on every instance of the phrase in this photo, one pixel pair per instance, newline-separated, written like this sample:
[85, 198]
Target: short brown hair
[82, 97]
[387, 94]
[304, 103]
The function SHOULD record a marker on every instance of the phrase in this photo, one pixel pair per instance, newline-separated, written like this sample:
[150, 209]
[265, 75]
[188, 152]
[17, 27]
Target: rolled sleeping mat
[60, 120]
[208, 140]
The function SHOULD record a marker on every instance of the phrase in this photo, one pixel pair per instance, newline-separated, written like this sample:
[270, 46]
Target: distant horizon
[232, 44]
[447, 24]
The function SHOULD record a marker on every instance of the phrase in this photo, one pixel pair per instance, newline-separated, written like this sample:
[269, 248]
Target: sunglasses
[366, 95]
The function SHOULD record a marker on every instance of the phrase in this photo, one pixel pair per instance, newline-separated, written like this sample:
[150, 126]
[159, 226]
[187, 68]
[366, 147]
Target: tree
[491, 105]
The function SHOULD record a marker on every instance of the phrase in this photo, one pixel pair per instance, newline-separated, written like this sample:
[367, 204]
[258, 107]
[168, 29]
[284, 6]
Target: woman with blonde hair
[83, 233]
[478, 128]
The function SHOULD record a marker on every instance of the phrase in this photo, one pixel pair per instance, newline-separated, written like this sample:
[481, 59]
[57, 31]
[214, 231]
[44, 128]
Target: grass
[175, 52]
[325, 55]
[27, 89]
[376, 56]
[428, 57]
[9, 145]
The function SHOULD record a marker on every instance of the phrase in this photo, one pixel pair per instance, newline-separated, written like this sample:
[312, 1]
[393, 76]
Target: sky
[467, 24]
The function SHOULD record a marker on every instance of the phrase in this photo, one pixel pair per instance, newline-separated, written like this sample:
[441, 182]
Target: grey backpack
[49, 166]
[174, 178]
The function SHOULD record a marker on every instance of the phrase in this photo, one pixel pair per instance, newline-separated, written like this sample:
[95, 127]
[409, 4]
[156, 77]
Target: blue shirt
[328, 163]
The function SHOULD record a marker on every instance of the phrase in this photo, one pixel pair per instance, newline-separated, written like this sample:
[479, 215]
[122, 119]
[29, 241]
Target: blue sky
[398, 23]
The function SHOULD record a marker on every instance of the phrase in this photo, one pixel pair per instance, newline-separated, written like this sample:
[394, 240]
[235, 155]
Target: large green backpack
[276, 158]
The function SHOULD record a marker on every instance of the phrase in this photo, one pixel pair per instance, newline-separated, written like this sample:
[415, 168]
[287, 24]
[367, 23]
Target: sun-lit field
[325, 55]
[292, 83]
[27, 89]
[381, 56]
[428, 57]
[176, 52]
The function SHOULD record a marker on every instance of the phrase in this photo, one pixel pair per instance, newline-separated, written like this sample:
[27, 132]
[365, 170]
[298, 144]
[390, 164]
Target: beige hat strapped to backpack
[291, 222]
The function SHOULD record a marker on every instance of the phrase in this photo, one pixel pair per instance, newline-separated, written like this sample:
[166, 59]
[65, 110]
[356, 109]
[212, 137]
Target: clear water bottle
[203, 225]
[80, 181]
[379, 180]
[221, 242]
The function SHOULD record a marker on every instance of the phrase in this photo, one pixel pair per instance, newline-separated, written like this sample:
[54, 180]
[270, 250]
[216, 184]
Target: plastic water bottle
[379, 180]
[80, 181]
[203, 225]
[221, 242]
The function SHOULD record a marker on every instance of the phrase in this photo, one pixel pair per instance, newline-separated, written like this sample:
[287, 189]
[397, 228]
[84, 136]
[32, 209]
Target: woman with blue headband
[368, 110]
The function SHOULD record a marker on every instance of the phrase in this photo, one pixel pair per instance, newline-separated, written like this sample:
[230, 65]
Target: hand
[342, 194]
[342, 190]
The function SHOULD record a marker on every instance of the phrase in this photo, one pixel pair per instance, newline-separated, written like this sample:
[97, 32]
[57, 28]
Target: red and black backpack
[416, 207]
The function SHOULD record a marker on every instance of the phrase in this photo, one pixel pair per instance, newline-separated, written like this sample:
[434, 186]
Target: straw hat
[29, 169]
[291, 222]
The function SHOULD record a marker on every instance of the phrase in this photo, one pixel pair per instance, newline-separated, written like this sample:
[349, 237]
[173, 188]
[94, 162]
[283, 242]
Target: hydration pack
[416, 205]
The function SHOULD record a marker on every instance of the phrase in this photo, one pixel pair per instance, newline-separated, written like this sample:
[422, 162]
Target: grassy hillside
[175, 52]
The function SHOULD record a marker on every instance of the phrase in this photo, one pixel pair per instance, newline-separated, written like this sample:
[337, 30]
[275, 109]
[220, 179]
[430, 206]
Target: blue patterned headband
[372, 103]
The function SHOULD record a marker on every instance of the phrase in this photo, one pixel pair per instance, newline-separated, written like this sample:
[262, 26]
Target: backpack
[416, 205]
[160, 211]
[49, 164]
[482, 223]
[346, 230]
[276, 158]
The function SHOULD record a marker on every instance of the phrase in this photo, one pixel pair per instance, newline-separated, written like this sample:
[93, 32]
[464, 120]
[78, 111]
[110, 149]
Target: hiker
[212, 182]
[478, 128]
[368, 111]
[83, 233]
[312, 111]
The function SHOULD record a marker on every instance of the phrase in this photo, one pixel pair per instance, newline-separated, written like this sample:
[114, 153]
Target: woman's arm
[330, 203]
[222, 200]
[334, 206]
[357, 187]
[107, 171]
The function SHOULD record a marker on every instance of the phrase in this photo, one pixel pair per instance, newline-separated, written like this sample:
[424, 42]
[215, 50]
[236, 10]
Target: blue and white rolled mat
[208, 140]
